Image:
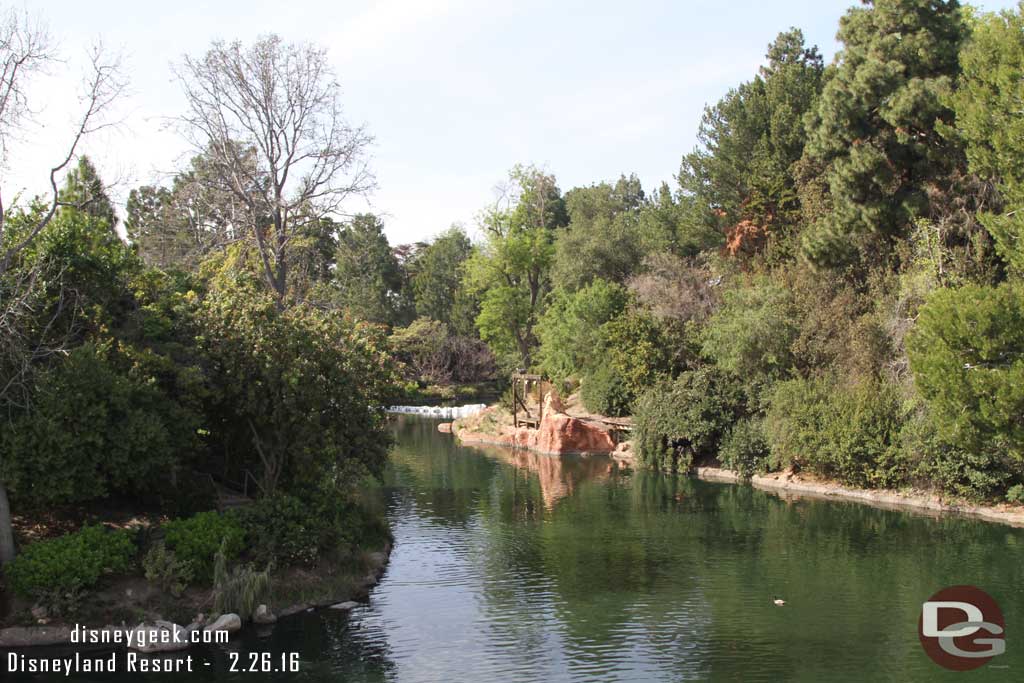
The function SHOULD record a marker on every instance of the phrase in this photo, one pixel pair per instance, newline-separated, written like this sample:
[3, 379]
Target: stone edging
[33, 636]
[780, 483]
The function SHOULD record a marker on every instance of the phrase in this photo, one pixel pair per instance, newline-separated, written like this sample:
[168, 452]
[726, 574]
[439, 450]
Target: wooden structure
[520, 391]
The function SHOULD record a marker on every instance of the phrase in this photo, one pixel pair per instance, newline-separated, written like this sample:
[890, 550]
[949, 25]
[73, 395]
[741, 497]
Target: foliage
[987, 102]
[849, 434]
[367, 278]
[967, 355]
[239, 590]
[303, 389]
[570, 329]
[876, 124]
[50, 570]
[641, 349]
[604, 392]
[437, 282]
[510, 273]
[94, 430]
[162, 567]
[741, 173]
[682, 421]
[288, 530]
[195, 540]
[745, 449]
[751, 335]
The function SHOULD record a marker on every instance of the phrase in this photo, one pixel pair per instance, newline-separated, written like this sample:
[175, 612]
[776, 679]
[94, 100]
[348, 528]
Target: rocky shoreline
[179, 637]
[783, 483]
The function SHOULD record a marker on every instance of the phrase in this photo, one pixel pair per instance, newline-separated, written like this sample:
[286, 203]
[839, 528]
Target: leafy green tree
[84, 190]
[967, 355]
[510, 272]
[603, 238]
[876, 124]
[987, 105]
[749, 140]
[367, 278]
[437, 282]
[310, 408]
[570, 329]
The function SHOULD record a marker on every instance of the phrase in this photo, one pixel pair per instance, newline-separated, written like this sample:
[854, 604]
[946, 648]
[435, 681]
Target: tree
[967, 355]
[511, 270]
[987, 105]
[367, 278]
[437, 282]
[570, 328]
[269, 117]
[741, 176]
[26, 49]
[176, 227]
[603, 238]
[876, 125]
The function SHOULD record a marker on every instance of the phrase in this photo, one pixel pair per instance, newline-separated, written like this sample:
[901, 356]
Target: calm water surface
[522, 567]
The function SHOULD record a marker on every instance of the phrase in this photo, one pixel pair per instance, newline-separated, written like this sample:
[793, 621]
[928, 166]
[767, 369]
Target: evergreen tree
[876, 124]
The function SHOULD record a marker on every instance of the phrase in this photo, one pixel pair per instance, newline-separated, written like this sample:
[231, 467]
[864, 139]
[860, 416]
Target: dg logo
[961, 628]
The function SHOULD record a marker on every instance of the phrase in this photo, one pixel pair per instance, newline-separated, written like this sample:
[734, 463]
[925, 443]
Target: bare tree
[25, 50]
[269, 117]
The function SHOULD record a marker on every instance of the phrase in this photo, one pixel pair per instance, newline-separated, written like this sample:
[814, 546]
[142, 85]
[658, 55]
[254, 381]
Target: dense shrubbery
[195, 540]
[288, 530]
[56, 571]
[850, 434]
[604, 392]
[685, 419]
[745, 448]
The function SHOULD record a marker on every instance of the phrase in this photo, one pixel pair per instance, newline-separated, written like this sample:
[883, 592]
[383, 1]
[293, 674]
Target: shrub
[288, 530]
[852, 435]
[604, 392]
[196, 540]
[745, 448]
[1015, 494]
[164, 568]
[239, 590]
[52, 570]
[683, 420]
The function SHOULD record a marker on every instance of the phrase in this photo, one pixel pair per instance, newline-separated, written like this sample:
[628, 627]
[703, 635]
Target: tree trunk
[6, 530]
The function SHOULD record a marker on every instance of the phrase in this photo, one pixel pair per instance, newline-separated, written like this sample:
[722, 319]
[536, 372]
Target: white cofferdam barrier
[443, 412]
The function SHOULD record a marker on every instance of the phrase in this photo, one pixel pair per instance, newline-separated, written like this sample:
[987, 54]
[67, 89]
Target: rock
[29, 636]
[345, 606]
[264, 616]
[163, 636]
[40, 613]
[226, 622]
[445, 427]
[294, 609]
[560, 434]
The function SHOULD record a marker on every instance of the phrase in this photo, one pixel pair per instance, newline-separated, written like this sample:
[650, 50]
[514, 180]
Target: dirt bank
[782, 483]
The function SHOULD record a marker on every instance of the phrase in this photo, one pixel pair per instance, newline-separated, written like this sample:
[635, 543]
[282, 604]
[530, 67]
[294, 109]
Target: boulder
[264, 616]
[445, 427]
[345, 606]
[560, 434]
[30, 636]
[226, 622]
[163, 636]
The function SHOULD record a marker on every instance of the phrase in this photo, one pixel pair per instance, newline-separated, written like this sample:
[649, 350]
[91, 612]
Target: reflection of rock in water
[559, 475]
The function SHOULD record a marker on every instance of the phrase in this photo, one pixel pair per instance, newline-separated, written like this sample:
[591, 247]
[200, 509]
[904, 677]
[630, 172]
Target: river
[520, 567]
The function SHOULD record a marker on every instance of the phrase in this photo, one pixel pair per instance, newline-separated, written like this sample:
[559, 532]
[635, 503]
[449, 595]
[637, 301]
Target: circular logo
[961, 628]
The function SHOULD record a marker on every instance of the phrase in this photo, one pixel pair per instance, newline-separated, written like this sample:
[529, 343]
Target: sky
[455, 92]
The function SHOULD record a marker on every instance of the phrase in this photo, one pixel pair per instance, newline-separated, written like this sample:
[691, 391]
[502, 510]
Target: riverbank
[338, 585]
[783, 483]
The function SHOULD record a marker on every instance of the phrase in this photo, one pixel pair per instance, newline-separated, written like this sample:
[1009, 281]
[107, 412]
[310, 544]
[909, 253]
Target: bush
[288, 530]
[605, 393]
[239, 590]
[52, 570]
[684, 420]
[745, 448]
[1015, 494]
[164, 568]
[197, 539]
[852, 435]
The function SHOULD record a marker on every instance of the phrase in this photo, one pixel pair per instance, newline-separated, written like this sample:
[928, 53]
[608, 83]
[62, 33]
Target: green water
[529, 568]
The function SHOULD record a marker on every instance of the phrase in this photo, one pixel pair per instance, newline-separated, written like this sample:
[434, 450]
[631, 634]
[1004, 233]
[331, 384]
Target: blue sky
[455, 92]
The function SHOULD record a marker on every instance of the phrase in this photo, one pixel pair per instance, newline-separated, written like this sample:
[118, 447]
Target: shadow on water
[516, 566]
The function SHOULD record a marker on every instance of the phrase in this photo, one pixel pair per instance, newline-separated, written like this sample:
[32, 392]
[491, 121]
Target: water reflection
[558, 476]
